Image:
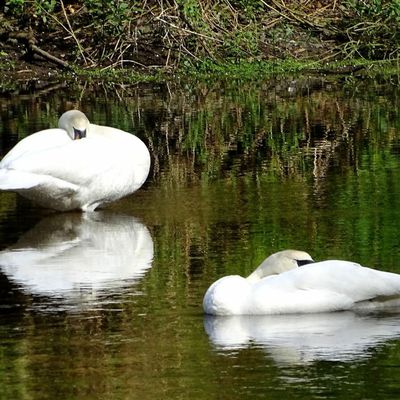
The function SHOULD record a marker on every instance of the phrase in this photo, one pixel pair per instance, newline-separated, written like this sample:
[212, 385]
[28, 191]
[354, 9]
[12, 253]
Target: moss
[124, 75]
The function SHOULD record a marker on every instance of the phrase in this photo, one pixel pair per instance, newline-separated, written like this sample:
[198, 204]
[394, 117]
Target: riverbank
[156, 41]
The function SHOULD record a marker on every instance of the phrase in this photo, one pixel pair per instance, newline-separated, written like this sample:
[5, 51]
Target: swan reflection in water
[305, 338]
[77, 257]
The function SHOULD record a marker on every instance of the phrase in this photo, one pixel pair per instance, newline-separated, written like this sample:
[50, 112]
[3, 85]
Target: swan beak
[300, 263]
[79, 134]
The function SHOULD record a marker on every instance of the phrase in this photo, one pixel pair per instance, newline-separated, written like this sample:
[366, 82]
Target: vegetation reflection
[239, 171]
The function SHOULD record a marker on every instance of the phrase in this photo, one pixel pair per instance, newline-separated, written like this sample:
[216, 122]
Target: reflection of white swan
[77, 166]
[341, 336]
[69, 253]
[279, 286]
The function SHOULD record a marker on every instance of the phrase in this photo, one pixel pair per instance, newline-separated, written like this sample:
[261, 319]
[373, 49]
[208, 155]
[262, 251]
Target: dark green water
[109, 306]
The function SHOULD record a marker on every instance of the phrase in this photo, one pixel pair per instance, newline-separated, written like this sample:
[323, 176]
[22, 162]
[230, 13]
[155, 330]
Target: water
[109, 306]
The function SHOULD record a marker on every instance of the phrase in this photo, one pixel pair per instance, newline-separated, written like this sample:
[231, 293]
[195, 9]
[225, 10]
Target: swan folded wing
[340, 285]
[43, 140]
[107, 151]
[351, 279]
[323, 287]
[20, 180]
[75, 162]
[299, 301]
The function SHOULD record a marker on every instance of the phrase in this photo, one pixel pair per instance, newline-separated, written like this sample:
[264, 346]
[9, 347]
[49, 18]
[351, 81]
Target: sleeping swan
[77, 166]
[291, 282]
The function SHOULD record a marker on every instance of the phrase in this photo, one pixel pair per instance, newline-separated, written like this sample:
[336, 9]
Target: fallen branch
[49, 57]
[32, 48]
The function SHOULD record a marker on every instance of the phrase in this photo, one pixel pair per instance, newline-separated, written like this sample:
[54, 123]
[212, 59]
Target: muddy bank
[50, 40]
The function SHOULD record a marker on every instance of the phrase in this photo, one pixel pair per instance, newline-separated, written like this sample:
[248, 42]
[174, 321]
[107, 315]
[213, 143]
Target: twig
[72, 32]
[292, 17]
[131, 62]
[189, 31]
[69, 30]
[189, 52]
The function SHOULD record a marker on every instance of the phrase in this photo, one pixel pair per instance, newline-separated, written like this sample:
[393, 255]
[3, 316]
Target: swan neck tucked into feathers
[280, 262]
[75, 123]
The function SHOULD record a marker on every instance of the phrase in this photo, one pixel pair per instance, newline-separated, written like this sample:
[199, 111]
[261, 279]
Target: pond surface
[108, 305]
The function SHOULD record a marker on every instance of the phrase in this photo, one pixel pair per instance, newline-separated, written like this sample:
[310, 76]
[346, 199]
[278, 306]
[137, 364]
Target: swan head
[280, 262]
[75, 123]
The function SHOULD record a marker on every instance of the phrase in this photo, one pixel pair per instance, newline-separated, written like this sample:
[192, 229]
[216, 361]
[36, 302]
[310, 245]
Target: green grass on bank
[11, 80]
[246, 70]
[202, 37]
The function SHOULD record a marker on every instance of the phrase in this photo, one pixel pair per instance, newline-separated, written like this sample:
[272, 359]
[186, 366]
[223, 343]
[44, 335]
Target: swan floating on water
[78, 165]
[290, 282]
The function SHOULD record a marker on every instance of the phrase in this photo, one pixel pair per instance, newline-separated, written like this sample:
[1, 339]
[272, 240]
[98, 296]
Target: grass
[238, 36]
[245, 70]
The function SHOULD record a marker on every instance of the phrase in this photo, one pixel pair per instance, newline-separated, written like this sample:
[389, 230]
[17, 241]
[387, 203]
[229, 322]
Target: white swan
[77, 166]
[283, 284]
